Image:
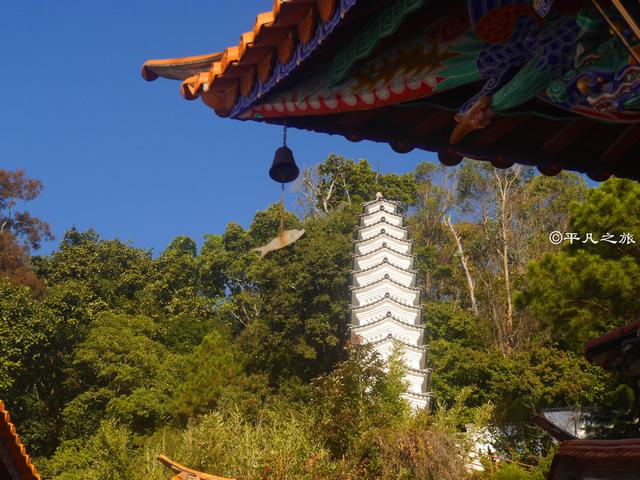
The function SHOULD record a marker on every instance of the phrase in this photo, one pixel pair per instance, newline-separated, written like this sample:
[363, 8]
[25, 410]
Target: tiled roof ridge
[384, 247]
[424, 371]
[366, 214]
[380, 200]
[390, 336]
[419, 395]
[382, 280]
[17, 451]
[398, 267]
[403, 240]
[392, 317]
[402, 227]
[355, 240]
[414, 307]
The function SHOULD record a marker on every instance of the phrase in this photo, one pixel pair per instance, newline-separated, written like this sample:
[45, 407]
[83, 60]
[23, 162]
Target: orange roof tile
[219, 78]
[16, 450]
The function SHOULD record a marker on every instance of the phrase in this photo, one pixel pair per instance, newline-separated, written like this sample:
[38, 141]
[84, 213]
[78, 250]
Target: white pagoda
[385, 303]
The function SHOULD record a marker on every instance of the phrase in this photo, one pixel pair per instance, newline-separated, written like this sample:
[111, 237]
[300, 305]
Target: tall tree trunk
[503, 184]
[465, 265]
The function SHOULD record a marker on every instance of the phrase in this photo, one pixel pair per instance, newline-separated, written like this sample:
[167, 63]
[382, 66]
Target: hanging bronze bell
[284, 168]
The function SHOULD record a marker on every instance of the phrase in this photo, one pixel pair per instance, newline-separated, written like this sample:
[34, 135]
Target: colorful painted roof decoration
[15, 463]
[548, 83]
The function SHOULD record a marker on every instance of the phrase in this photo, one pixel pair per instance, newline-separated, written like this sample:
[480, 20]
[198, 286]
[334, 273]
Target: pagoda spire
[385, 303]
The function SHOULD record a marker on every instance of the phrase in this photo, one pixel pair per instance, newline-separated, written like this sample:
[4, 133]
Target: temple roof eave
[281, 40]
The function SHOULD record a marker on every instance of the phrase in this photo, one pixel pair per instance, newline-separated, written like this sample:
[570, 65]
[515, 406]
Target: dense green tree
[209, 375]
[122, 369]
[294, 309]
[115, 272]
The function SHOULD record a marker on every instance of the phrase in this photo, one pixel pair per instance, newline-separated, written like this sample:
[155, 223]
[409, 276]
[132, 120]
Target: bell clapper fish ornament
[284, 239]
[283, 170]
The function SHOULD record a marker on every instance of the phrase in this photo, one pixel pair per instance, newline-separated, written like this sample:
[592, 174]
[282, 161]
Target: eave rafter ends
[220, 79]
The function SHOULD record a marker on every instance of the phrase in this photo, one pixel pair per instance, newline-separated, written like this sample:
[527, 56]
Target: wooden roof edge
[190, 473]
[17, 451]
[598, 343]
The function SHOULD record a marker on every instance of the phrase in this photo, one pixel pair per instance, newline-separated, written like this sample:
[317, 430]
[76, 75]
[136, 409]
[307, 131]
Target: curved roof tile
[10, 439]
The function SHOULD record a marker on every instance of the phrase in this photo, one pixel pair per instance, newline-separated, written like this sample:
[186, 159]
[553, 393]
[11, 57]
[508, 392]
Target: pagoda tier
[382, 239]
[380, 204]
[382, 226]
[368, 294]
[373, 258]
[385, 310]
[373, 274]
[385, 307]
[380, 216]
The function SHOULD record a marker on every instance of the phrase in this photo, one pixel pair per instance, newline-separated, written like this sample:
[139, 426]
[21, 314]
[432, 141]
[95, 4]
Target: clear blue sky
[133, 159]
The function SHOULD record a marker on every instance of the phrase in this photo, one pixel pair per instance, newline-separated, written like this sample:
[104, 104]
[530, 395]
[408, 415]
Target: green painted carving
[525, 85]
[385, 24]
[461, 69]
